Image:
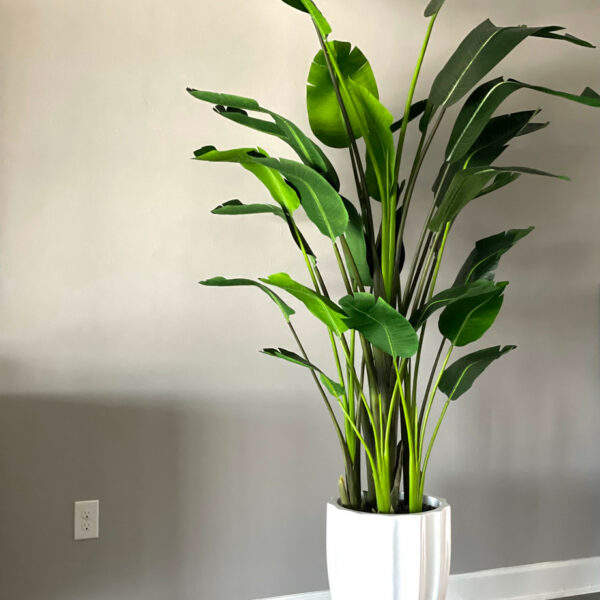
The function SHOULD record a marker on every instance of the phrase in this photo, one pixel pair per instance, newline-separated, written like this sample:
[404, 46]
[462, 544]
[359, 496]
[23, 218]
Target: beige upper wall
[109, 349]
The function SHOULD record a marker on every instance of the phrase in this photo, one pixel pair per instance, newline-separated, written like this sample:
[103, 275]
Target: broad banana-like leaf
[501, 180]
[533, 127]
[234, 108]
[466, 185]
[235, 207]
[374, 125]
[381, 324]
[322, 203]
[479, 53]
[355, 237]
[478, 110]
[416, 110]
[324, 113]
[286, 310]
[297, 236]
[460, 376]
[498, 131]
[324, 309]
[243, 118]
[317, 16]
[296, 4]
[483, 261]
[434, 7]
[486, 156]
[334, 388]
[225, 100]
[466, 320]
[290, 357]
[488, 146]
[280, 191]
[457, 292]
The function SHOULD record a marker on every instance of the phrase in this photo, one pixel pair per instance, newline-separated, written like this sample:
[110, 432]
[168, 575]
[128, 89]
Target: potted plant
[385, 538]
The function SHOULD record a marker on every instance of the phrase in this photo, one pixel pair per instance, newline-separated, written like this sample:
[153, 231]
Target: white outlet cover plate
[87, 520]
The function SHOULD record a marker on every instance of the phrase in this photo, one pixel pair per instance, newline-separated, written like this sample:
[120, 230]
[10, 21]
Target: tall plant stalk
[384, 394]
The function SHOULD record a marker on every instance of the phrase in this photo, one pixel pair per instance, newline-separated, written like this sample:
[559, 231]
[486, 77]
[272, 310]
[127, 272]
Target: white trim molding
[543, 581]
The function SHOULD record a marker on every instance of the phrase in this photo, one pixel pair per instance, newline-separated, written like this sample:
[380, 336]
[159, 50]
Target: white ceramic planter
[389, 557]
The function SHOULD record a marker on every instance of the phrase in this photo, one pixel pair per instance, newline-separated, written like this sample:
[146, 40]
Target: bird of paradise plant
[379, 402]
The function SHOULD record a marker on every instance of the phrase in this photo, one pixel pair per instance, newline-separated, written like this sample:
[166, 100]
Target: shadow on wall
[195, 502]
[522, 520]
[54, 451]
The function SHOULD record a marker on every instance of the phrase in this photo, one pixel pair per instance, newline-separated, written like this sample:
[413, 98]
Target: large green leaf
[374, 125]
[501, 180]
[317, 16]
[223, 282]
[381, 324]
[290, 357]
[219, 99]
[355, 237]
[483, 261]
[466, 320]
[488, 146]
[234, 108]
[497, 132]
[335, 389]
[235, 207]
[322, 308]
[457, 292]
[482, 104]
[322, 203]
[324, 112]
[280, 191]
[296, 4]
[479, 53]
[433, 7]
[460, 376]
[466, 185]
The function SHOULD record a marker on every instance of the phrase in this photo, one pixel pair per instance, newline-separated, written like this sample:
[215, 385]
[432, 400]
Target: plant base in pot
[389, 557]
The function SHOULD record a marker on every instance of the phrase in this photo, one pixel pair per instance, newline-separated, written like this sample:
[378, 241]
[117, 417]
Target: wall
[122, 379]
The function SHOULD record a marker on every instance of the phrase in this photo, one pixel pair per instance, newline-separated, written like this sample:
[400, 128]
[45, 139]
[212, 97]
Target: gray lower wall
[122, 380]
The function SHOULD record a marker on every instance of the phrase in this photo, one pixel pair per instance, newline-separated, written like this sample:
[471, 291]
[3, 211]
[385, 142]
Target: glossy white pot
[389, 557]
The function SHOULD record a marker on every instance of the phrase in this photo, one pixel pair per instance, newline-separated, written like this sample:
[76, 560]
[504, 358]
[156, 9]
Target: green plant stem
[422, 150]
[415, 503]
[426, 291]
[342, 268]
[432, 441]
[367, 451]
[353, 267]
[350, 437]
[415, 377]
[436, 361]
[423, 274]
[317, 279]
[410, 97]
[438, 262]
[410, 187]
[334, 420]
[365, 346]
[423, 427]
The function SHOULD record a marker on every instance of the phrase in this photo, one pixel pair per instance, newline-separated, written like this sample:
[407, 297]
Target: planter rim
[439, 503]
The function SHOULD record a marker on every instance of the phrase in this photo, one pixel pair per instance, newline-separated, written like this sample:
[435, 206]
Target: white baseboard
[544, 581]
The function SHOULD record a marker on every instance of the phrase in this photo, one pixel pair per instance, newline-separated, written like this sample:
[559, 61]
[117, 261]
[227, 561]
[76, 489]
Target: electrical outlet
[87, 519]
